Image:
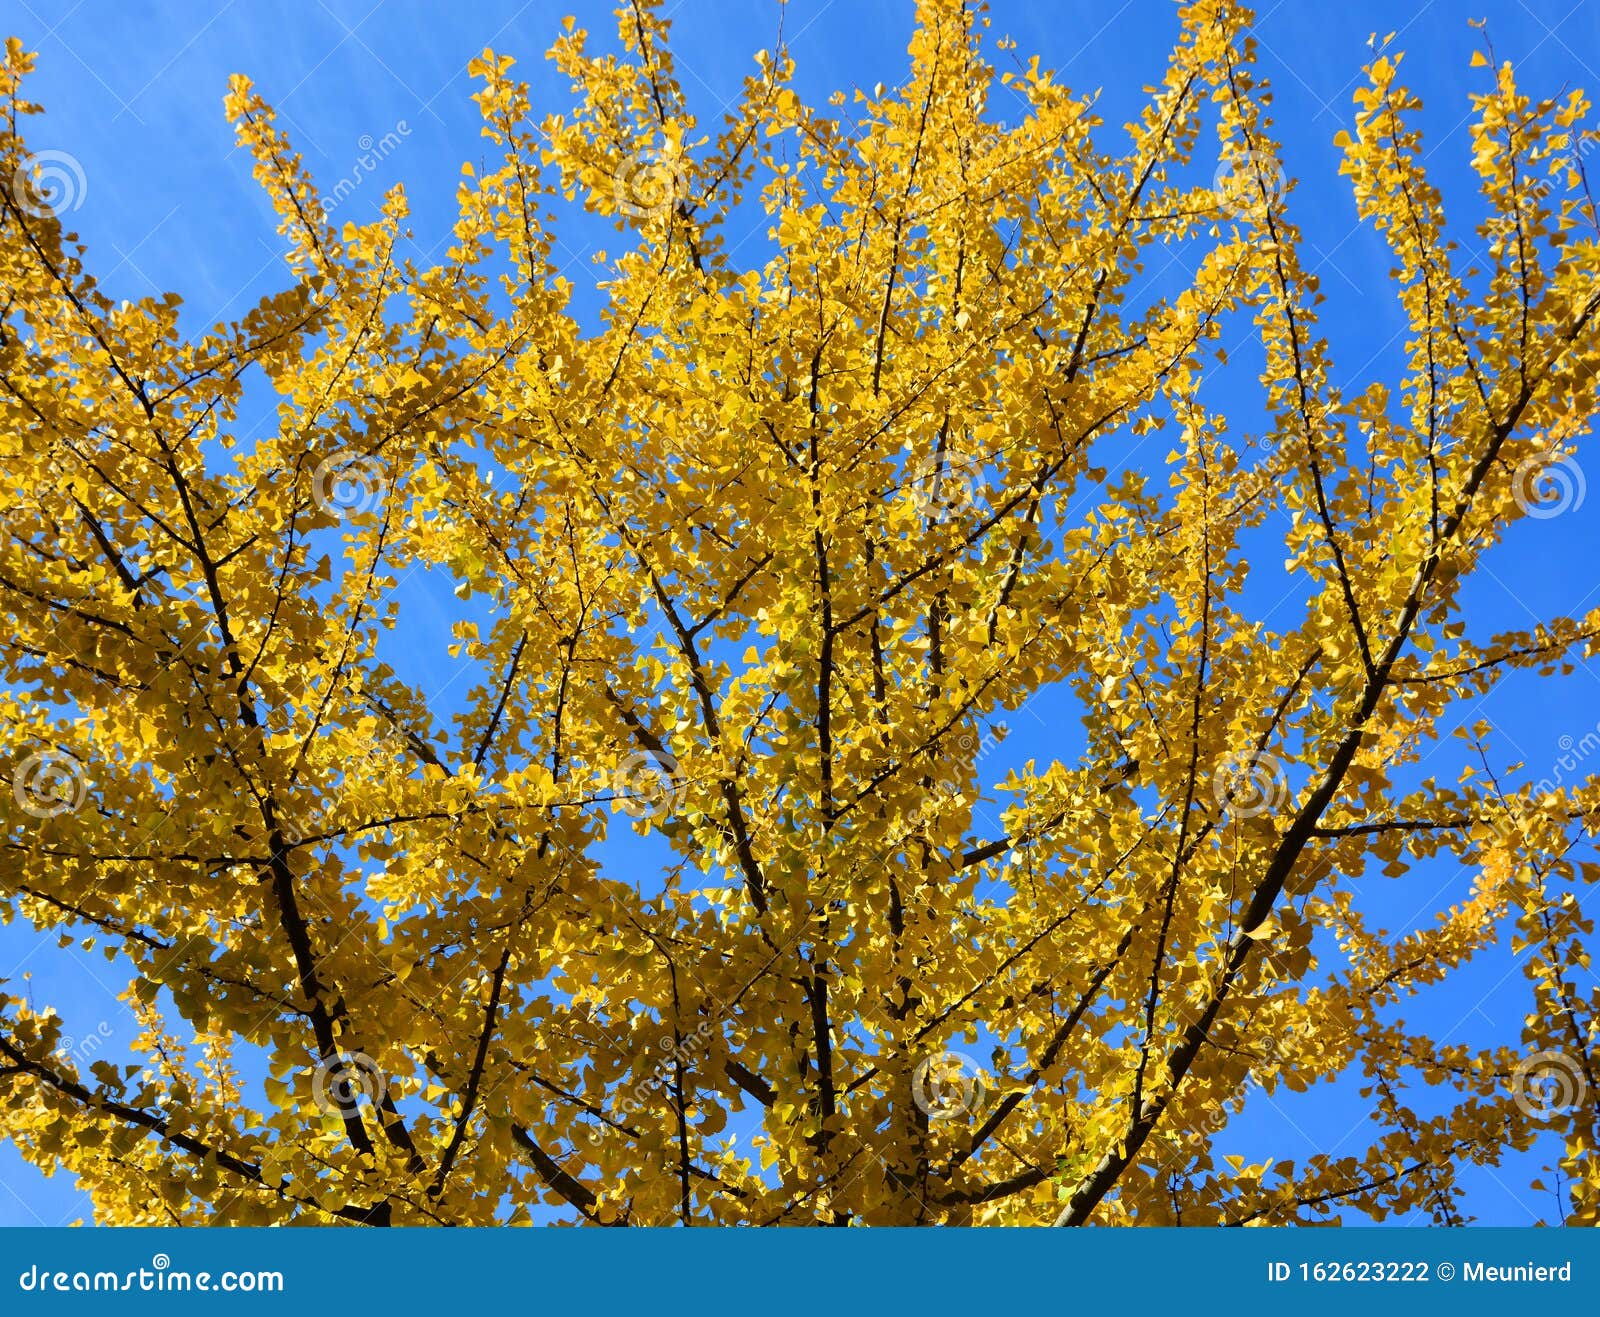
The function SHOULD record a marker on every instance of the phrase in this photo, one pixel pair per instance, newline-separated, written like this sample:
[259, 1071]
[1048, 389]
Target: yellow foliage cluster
[765, 555]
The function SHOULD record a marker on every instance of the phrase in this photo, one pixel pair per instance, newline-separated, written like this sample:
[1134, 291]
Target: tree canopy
[756, 564]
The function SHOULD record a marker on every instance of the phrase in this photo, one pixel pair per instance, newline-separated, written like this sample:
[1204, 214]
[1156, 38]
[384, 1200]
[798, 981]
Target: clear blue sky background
[133, 90]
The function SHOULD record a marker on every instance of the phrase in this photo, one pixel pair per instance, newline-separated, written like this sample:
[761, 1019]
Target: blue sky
[133, 91]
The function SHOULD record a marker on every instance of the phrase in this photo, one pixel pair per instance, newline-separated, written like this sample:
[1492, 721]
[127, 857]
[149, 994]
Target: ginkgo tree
[756, 563]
